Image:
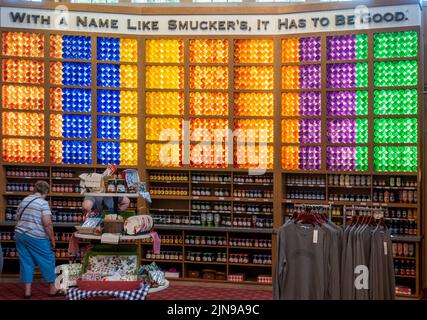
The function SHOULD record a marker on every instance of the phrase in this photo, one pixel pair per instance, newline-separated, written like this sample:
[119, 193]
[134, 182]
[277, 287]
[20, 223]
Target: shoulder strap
[25, 208]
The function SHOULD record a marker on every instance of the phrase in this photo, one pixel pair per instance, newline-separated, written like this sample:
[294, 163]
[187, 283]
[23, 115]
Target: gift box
[123, 260]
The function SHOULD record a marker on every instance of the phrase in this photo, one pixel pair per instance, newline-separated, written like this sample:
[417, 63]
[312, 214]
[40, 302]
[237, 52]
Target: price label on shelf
[236, 199]
[221, 198]
[363, 203]
[331, 202]
[288, 201]
[196, 197]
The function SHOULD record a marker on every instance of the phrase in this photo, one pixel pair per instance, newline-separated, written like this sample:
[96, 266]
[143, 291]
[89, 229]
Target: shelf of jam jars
[191, 248]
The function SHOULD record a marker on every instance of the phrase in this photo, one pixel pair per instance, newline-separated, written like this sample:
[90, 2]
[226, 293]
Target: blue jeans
[32, 252]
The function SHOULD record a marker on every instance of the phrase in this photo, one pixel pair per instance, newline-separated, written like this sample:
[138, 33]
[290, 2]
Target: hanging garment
[318, 260]
[308, 264]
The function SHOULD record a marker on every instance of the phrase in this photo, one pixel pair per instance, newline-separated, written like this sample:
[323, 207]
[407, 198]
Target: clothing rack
[328, 207]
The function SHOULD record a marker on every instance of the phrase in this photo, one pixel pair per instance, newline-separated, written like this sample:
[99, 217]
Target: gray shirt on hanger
[300, 268]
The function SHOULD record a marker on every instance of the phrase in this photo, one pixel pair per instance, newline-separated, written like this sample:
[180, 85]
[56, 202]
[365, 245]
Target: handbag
[22, 213]
[25, 208]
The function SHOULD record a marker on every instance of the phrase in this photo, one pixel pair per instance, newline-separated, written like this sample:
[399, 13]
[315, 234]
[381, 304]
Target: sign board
[358, 18]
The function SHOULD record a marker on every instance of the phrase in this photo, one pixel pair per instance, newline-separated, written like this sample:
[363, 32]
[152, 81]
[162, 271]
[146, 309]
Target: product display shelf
[207, 233]
[374, 183]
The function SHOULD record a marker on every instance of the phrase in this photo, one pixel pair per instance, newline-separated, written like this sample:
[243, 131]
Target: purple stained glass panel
[309, 49]
[341, 158]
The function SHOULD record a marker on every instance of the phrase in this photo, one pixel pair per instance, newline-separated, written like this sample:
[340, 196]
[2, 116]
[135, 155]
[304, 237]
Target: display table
[139, 294]
[122, 237]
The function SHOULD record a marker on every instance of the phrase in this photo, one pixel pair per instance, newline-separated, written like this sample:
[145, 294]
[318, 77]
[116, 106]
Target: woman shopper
[35, 239]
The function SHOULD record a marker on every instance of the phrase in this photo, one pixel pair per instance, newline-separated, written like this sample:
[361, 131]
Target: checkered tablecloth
[139, 294]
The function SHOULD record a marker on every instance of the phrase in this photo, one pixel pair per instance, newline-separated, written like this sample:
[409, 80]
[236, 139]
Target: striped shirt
[30, 221]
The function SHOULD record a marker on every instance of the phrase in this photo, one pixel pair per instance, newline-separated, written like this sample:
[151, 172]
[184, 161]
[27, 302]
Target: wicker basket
[84, 230]
[112, 226]
[221, 276]
[194, 274]
[208, 274]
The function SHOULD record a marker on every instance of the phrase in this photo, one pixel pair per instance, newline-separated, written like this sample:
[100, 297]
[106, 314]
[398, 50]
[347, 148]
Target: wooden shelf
[253, 184]
[254, 213]
[211, 211]
[14, 193]
[213, 229]
[349, 203]
[302, 201]
[170, 197]
[410, 277]
[211, 182]
[28, 178]
[203, 198]
[161, 260]
[168, 182]
[404, 258]
[406, 238]
[169, 210]
[409, 296]
[351, 187]
[164, 244]
[306, 185]
[203, 246]
[259, 200]
[395, 188]
[395, 205]
[219, 281]
[250, 248]
[206, 263]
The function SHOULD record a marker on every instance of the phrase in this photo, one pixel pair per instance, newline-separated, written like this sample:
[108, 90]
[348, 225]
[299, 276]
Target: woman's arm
[124, 204]
[48, 228]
